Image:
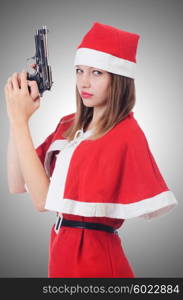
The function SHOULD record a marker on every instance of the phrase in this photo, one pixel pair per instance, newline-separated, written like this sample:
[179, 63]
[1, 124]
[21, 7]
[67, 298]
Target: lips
[84, 94]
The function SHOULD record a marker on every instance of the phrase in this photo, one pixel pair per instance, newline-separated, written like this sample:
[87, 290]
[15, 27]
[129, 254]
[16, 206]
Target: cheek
[100, 85]
[103, 88]
[77, 83]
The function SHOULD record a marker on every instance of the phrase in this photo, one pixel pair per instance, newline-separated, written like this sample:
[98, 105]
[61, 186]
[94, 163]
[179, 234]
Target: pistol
[42, 74]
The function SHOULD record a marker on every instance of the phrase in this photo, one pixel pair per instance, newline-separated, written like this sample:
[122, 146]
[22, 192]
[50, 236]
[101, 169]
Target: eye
[94, 71]
[97, 72]
[77, 69]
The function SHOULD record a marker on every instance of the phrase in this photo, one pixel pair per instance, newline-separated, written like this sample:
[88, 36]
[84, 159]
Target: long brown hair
[120, 102]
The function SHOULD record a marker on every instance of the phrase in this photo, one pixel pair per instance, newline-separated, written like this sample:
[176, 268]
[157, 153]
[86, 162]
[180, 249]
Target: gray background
[153, 248]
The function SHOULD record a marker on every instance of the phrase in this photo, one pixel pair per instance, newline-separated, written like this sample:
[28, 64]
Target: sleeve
[143, 187]
[42, 149]
[54, 143]
[48, 161]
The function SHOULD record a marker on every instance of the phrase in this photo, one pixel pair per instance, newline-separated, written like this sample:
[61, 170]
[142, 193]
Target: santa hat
[110, 49]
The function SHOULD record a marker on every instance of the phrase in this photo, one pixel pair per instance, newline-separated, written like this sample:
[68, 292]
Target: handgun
[43, 73]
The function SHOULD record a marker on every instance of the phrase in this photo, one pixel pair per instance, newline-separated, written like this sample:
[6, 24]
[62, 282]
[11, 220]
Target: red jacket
[115, 176]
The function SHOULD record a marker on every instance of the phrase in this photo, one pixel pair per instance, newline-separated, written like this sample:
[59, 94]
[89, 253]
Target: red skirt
[87, 253]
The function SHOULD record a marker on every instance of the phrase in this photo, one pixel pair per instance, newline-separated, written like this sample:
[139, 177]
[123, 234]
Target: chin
[88, 104]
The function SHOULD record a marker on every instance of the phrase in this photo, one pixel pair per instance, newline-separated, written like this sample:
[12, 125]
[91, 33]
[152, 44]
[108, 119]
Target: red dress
[78, 252]
[104, 181]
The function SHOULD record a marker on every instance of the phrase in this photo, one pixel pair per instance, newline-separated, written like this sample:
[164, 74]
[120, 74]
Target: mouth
[86, 95]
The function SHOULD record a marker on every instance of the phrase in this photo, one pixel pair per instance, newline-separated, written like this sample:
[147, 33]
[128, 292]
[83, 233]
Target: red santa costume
[97, 184]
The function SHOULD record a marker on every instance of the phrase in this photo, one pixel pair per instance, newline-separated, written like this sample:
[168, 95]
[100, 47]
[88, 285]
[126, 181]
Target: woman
[96, 169]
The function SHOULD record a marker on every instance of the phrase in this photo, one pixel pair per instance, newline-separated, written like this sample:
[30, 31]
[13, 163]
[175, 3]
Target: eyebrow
[81, 67]
[94, 68]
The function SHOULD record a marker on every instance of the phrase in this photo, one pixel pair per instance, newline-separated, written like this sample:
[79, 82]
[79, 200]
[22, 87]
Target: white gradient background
[153, 248]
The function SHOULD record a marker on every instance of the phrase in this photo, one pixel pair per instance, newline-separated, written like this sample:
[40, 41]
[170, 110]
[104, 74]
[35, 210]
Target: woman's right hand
[21, 102]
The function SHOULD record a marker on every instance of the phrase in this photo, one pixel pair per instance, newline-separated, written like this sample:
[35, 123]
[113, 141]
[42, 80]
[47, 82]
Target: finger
[34, 89]
[19, 80]
[24, 82]
[33, 84]
[8, 89]
[9, 83]
[15, 81]
[37, 102]
[33, 66]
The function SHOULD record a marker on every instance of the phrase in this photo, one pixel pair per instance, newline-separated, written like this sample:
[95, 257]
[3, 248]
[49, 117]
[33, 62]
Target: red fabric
[41, 151]
[56, 134]
[132, 176]
[117, 168]
[86, 253]
[75, 252]
[111, 40]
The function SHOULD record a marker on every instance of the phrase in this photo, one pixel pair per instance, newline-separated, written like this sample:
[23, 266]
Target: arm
[15, 179]
[20, 106]
[33, 172]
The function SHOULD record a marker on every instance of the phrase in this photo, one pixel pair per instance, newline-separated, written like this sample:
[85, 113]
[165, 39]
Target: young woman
[96, 169]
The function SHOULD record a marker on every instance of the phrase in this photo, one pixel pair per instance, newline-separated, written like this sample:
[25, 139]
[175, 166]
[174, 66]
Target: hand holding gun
[23, 91]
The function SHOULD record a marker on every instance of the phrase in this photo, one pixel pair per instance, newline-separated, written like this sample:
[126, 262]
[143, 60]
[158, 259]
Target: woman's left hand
[21, 103]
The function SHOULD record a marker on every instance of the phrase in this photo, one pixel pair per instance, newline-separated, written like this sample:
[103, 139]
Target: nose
[85, 80]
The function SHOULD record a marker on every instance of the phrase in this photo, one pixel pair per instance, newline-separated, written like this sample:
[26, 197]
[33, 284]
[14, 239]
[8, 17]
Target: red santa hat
[110, 49]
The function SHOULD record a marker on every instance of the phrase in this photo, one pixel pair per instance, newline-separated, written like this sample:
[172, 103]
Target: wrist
[19, 132]
[18, 123]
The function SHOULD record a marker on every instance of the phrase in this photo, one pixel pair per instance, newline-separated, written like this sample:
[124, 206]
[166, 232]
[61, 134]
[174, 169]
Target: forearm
[15, 178]
[33, 172]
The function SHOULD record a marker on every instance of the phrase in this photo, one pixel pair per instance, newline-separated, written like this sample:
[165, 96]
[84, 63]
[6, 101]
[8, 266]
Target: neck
[97, 113]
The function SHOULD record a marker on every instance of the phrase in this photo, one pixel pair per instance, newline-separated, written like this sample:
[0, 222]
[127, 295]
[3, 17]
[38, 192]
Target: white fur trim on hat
[105, 61]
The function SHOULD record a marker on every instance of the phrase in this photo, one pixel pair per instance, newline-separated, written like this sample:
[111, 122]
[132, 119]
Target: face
[93, 81]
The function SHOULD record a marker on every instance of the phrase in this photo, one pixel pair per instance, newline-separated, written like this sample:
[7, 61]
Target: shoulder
[67, 118]
[65, 122]
[130, 131]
